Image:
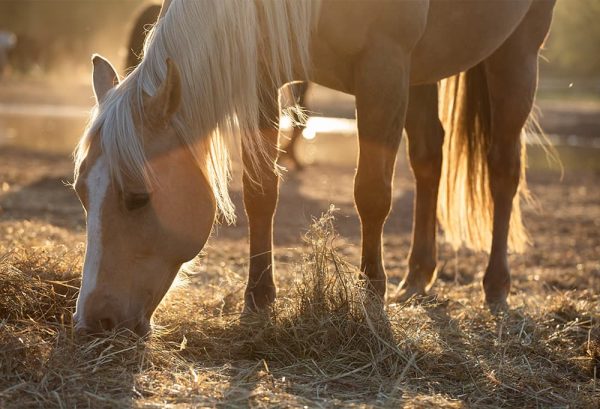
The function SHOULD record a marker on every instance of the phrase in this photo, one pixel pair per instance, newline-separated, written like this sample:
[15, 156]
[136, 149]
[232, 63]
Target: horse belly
[462, 33]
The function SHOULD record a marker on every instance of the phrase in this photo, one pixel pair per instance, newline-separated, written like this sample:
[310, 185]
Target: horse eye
[134, 201]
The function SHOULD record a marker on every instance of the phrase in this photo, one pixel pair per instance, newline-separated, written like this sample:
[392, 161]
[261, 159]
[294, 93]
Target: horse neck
[231, 56]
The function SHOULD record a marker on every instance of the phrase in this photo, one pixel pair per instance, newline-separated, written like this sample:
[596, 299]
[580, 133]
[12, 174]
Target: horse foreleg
[261, 190]
[425, 139]
[381, 99]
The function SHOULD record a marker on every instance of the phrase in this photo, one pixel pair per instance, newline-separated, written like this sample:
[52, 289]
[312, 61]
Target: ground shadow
[39, 189]
[48, 199]
[503, 348]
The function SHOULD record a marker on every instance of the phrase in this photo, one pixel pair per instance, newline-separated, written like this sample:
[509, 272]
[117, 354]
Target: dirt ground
[544, 353]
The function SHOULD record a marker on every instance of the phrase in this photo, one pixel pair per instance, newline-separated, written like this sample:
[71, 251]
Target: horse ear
[161, 107]
[104, 77]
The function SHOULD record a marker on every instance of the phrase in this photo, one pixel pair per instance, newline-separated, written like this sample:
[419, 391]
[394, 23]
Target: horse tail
[465, 206]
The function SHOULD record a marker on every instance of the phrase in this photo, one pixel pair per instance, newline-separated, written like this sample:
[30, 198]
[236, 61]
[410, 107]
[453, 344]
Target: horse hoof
[260, 299]
[376, 289]
[252, 317]
[251, 308]
[497, 305]
[406, 292]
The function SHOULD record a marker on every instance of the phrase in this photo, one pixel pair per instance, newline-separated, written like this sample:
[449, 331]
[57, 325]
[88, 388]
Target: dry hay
[326, 343]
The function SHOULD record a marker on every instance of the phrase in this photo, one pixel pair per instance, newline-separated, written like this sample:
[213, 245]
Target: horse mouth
[141, 328]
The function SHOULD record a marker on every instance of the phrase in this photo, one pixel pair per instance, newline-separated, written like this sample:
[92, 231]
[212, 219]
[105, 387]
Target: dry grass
[326, 343]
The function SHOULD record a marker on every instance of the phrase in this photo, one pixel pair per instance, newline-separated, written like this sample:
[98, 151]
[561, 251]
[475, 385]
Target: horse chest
[348, 30]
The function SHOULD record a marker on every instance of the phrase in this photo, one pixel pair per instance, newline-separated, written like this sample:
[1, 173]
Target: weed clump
[330, 320]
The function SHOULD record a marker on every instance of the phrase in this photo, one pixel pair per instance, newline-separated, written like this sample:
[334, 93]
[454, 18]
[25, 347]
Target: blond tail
[465, 206]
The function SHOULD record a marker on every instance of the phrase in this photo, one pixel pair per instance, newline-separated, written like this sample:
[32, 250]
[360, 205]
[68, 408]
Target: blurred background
[48, 44]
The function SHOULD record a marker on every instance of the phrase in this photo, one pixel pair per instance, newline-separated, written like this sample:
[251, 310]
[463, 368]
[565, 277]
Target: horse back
[445, 36]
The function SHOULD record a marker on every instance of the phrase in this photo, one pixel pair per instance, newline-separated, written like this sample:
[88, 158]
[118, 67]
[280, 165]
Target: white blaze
[97, 185]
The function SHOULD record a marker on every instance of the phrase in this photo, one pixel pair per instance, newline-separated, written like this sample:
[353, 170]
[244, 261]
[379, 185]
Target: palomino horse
[152, 168]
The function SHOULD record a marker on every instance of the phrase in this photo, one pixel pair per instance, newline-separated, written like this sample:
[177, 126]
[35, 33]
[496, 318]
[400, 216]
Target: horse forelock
[112, 129]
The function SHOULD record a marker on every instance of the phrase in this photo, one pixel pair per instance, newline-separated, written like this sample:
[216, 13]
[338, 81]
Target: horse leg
[512, 81]
[425, 139]
[381, 101]
[261, 190]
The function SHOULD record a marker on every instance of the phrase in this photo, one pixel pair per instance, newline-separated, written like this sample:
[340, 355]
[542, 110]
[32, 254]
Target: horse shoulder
[347, 30]
[351, 27]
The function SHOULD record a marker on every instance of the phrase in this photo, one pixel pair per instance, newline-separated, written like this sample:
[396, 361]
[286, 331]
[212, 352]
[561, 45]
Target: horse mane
[229, 54]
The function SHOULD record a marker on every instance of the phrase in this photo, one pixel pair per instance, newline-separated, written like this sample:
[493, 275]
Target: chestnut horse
[152, 167]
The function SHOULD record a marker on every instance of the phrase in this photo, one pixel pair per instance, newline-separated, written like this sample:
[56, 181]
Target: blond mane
[228, 54]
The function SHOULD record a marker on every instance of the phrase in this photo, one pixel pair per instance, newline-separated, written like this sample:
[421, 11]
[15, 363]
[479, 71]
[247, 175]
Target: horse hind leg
[425, 140]
[512, 81]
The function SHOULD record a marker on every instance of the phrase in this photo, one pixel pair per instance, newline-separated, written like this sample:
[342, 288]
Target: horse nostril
[106, 324]
[81, 331]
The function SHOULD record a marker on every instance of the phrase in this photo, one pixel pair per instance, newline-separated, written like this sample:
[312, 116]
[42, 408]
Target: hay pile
[326, 343]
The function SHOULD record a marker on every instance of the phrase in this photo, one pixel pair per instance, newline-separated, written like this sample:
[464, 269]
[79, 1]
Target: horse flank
[229, 54]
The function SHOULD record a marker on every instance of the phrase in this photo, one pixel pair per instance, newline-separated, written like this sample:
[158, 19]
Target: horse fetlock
[412, 286]
[407, 290]
[259, 298]
[421, 269]
[496, 286]
[376, 279]
[378, 286]
[418, 279]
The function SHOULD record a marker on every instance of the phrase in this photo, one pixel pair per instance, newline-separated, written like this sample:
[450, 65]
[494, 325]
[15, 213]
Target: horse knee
[373, 197]
[260, 198]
